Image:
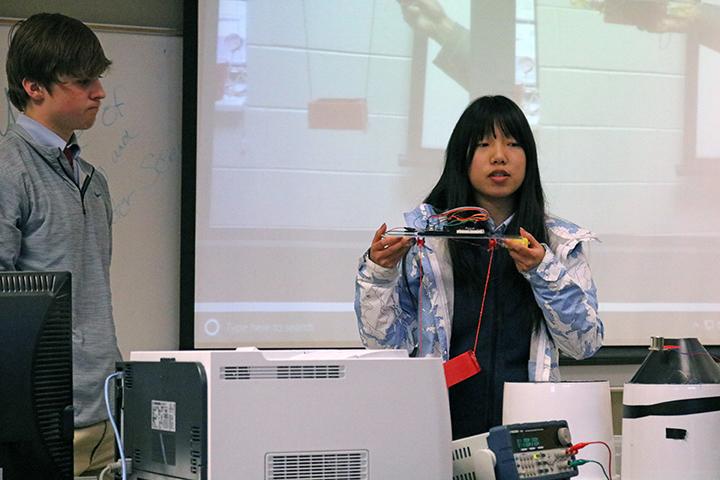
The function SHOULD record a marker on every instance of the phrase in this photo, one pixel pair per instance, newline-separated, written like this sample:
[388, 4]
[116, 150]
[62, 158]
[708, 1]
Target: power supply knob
[563, 434]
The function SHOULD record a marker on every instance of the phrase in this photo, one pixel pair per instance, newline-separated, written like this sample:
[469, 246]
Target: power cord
[121, 447]
[581, 461]
[112, 467]
[574, 449]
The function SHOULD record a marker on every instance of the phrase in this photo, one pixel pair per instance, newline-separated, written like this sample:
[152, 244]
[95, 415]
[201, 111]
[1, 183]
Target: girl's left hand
[526, 258]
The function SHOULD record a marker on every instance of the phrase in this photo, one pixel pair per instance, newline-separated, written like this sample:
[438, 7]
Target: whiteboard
[135, 142]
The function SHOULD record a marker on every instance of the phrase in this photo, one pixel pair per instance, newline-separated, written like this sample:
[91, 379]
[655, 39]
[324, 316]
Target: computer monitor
[36, 384]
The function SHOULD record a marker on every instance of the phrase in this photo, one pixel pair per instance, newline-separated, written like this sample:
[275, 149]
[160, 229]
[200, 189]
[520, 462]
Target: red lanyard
[493, 244]
[464, 365]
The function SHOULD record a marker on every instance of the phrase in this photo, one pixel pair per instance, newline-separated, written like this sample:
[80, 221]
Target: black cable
[601, 466]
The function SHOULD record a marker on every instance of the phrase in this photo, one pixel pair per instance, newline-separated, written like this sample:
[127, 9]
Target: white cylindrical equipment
[671, 414]
[662, 446]
[585, 406]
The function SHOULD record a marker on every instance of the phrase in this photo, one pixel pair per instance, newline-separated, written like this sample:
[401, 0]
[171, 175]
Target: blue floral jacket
[561, 283]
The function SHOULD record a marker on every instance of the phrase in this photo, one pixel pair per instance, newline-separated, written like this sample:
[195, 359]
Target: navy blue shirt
[504, 342]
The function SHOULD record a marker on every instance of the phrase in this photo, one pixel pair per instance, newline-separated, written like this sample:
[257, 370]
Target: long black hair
[454, 189]
[477, 122]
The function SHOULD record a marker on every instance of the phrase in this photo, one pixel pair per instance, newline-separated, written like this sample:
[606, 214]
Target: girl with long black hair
[512, 308]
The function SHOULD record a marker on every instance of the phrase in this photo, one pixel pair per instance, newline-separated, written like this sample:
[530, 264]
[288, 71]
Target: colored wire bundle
[456, 217]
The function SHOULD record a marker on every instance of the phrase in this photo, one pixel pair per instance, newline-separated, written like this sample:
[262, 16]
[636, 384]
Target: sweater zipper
[83, 189]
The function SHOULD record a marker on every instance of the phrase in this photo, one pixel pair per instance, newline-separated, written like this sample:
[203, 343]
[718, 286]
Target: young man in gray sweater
[55, 209]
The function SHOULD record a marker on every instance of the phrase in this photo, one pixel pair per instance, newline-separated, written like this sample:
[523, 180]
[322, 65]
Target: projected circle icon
[212, 327]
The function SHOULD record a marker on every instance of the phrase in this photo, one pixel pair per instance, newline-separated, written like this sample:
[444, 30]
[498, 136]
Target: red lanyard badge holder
[465, 365]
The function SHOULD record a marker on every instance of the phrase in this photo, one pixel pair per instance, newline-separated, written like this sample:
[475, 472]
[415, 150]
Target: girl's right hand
[388, 251]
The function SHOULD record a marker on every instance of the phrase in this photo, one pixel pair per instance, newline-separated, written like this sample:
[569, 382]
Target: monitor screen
[36, 396]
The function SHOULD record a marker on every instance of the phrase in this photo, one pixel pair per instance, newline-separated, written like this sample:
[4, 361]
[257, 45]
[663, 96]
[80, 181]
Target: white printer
[289, 414]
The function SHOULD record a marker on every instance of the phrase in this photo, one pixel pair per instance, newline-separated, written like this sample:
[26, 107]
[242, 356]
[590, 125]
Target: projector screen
[318, 120]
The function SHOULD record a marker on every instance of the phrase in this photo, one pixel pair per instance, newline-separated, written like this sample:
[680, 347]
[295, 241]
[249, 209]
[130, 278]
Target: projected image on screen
[504, 44]
[318, 120]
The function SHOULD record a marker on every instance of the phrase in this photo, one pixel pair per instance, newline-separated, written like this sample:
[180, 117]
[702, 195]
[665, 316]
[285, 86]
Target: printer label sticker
[163, 416]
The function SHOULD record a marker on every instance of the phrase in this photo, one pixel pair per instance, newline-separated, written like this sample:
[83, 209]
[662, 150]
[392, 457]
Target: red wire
[578, 446]
[420, 244]
[689, 354]
[492, 245]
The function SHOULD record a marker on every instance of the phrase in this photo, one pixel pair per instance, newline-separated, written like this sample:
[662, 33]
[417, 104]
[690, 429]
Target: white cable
[101, 476]
[114, 425]
[110, 467]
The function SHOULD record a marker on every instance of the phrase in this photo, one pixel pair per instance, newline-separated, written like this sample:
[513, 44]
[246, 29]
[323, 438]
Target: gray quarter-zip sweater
[50, 221]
